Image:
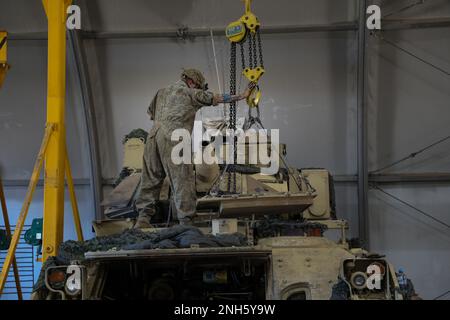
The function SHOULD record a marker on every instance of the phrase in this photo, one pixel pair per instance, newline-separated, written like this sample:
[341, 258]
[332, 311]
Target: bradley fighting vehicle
[283, 218]
[278, 222]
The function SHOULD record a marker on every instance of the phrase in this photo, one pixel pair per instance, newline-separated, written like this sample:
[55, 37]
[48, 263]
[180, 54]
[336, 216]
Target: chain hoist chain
[255, 51]
[232, 182]
[255, 58]
[243, 54]
[250, 51]
[233, 85]
[234, 123]
[261, 60]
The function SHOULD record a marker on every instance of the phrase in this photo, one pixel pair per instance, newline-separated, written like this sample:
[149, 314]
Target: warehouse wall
[309, 93]
[408, 105]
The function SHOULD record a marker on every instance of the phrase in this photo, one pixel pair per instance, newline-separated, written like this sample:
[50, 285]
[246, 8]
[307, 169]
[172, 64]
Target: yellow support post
[53, 229]
[26, 205]
[73, 200]
[4, 66]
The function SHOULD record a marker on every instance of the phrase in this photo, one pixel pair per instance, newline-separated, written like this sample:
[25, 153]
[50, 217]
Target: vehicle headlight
[358, 280]
[56, 278]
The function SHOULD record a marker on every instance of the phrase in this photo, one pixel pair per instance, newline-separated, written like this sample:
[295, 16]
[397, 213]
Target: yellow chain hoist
[237, 30]
[244, 31]
[247, 29]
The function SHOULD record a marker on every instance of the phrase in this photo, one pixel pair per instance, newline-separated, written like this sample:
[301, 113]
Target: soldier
[174, 108]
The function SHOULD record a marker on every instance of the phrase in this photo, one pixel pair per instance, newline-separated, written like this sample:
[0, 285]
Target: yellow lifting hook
[254, 97]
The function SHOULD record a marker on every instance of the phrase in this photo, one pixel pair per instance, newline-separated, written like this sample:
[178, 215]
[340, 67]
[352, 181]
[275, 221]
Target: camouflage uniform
[172, 108]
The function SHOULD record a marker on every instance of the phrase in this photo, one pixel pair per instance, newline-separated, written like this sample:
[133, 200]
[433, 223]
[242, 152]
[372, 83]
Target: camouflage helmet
[195, 76]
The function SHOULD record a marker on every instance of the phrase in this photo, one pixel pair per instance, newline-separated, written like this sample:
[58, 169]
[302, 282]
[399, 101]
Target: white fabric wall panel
[409, 100]
[22, 108]
[409, 110]
[22, 16]
[23, 113]
[413, 241]
[426, 9]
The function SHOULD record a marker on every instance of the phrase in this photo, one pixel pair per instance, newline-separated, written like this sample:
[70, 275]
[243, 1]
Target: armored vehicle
[276, 237]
